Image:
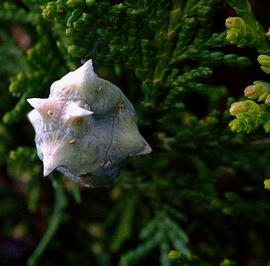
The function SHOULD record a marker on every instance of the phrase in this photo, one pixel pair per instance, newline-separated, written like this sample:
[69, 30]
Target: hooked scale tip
[34, 102]
[147, 148]
[74, 111]
[43, 106]
[89, 64]
[46, 171]
[49, 164]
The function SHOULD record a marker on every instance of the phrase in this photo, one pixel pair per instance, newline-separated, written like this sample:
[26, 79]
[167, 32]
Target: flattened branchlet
[85, 128]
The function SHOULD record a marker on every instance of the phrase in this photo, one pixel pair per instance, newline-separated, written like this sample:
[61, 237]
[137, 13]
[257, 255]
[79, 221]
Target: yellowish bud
[230, 22]
[249, 91]
[267, 34]
[267, 100]
[237, 108]
[264, 61]
[267, 184]
[174, 255]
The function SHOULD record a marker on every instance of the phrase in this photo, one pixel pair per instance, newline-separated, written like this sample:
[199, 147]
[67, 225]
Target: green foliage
[54, 223]
[201, 190]
[178, 259]
[246, 31]
[160, 231]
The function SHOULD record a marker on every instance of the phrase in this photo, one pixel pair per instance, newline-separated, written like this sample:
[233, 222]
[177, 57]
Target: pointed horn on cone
[49, 164]
[82, 76]
[36, 120]
[74, 111]
[43, 106]
[147, 149]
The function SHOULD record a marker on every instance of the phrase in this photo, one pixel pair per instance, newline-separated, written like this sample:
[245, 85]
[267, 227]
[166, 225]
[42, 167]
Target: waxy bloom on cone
[85, 128]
